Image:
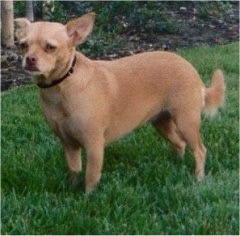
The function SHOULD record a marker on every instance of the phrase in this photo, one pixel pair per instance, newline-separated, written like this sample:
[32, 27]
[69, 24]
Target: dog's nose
[31, 62]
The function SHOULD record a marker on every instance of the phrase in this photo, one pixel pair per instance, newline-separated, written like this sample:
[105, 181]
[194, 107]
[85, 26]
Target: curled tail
[215, 94]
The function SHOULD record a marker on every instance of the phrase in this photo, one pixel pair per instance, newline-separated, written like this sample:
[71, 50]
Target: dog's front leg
[72, 154]
[95, 153]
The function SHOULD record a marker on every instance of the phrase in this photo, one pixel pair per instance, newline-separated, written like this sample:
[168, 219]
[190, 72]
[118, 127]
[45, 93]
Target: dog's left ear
[21, 25]
[80, 28]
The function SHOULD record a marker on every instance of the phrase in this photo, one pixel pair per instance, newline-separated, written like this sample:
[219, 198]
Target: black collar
[58, 81]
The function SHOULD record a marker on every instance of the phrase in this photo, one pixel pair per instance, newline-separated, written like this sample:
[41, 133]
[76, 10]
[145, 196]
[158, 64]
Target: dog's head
[48, 46]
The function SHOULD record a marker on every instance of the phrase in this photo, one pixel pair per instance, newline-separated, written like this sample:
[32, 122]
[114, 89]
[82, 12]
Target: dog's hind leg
[189, 125]
[166, 126]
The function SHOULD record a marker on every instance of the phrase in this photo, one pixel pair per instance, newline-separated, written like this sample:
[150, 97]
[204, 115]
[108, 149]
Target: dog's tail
[214, 95]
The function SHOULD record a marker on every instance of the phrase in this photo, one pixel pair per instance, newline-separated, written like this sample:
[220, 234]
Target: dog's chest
[59, 114]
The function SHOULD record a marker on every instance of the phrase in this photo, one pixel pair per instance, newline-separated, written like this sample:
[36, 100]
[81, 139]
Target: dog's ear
[80, 28]
[20, 27]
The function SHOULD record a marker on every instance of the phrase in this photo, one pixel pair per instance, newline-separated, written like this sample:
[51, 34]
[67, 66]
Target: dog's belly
[116, 131]
[130, 119]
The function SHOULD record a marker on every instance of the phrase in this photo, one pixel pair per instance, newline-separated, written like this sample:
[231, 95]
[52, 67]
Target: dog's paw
[89, 190]
[76, 181]
[200, 175]
[180, 149]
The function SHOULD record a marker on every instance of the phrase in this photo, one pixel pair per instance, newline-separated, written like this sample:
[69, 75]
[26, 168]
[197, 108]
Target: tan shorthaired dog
[90, 103]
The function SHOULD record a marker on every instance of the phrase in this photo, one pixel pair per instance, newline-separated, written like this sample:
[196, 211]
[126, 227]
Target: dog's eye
[50, 48]
[23, 45]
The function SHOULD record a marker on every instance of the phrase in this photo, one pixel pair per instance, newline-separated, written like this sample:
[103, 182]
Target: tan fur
[104, 100]
[214, 95]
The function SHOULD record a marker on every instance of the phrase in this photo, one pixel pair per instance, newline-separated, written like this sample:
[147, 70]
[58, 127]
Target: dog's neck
[46, 82]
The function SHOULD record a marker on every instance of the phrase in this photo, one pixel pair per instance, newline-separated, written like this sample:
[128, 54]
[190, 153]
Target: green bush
[114, 17]
[219, 8]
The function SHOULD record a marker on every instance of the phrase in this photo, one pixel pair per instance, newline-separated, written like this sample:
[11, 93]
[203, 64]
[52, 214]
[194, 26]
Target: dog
[90, 103]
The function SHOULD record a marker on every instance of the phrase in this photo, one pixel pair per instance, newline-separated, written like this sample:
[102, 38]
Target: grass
[144, 189]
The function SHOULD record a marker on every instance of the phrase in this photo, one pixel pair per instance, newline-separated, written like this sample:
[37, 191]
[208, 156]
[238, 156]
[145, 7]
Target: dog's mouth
[32, 71]
[31, 67]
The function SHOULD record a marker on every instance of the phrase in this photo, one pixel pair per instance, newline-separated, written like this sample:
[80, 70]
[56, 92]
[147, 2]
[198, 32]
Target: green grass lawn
[144, 188]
